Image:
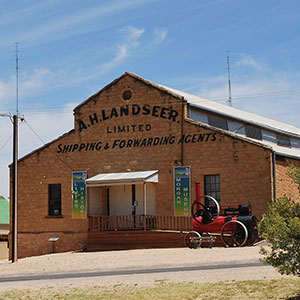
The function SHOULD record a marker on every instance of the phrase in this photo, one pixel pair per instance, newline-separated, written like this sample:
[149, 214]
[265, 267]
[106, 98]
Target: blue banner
[79, 195]
[182, 191]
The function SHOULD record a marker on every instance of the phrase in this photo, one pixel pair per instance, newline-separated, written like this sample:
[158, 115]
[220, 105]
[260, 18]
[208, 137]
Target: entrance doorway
[123, 194]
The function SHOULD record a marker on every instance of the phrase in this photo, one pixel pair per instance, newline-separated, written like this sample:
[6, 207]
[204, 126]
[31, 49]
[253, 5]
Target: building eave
[44, 146]
[228, 133]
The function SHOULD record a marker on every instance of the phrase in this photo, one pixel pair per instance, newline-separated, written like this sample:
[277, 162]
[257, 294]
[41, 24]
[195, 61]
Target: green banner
[79, 195]
[182, 191]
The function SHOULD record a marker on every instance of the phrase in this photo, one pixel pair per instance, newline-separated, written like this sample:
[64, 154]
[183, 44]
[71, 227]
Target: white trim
[108, 179]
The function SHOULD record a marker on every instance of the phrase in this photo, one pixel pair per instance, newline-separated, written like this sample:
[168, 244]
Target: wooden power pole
[15, 192]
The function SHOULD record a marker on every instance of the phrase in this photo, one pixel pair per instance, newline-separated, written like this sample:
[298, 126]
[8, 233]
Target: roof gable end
[137, 77]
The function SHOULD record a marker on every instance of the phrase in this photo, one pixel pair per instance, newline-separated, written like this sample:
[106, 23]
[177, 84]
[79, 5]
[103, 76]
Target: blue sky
[70, 49]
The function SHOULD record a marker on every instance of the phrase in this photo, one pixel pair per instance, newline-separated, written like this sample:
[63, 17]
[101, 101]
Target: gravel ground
[146, 259]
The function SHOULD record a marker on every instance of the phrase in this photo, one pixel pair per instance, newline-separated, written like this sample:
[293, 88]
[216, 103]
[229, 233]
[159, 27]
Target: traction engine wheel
[234, 234]
[209, 213]
[193, 239]
[253, 233]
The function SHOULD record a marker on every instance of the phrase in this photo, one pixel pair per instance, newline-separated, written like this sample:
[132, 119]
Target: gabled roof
[4, 211]
[214, 107]
[210, 106]
[133, 75]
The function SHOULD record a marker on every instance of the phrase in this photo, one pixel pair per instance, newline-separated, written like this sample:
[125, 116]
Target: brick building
[131, 143]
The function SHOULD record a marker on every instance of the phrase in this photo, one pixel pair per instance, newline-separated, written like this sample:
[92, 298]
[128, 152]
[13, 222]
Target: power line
[5, 142]
[46, 143]
[276, 94]
[35, 132]
[215, 99]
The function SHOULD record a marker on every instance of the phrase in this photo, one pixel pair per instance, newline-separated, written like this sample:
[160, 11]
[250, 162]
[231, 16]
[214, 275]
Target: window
[217, 122]
[212, 187]
[283, 140]
[127, 95]
[253, 132]
[54, 200]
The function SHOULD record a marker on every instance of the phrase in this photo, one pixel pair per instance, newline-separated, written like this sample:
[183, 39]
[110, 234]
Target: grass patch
[288, 289]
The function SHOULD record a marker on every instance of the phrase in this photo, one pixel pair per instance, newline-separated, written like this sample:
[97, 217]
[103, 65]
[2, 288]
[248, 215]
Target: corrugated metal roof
[123, 178]
[235, 113]
[4, 211]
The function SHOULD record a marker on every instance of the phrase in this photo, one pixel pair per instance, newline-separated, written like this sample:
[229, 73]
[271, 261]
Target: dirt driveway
[143, 267]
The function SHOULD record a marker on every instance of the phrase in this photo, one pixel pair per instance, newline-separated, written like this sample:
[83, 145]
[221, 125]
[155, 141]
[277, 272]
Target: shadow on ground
[294, 298]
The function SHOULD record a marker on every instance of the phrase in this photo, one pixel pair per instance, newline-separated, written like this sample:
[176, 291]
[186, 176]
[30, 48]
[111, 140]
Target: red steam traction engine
[234, 224]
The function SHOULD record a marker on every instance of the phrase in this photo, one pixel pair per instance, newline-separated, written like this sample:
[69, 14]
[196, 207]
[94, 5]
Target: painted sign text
[129, 110]
[137, 142]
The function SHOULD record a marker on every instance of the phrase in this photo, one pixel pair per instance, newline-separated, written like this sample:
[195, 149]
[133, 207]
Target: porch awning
[107, 179]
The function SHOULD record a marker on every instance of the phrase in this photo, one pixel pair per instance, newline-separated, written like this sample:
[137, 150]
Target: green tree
[281, 228]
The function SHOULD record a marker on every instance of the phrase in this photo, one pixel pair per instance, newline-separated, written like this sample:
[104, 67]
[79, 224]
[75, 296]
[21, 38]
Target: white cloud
[253, 87]
[7, 90]
[37, 80]
[123, 52]
[161, 34]
[132, 32]
[30, 84]
[248, 61]
[42, 80]
[273, 96]
[47, 125]
[71, 23]
[17, 14]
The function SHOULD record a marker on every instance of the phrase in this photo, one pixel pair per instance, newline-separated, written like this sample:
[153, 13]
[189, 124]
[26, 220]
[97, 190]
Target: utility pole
[15, 191]
[14, 195]
[229, 82]
[15, 167]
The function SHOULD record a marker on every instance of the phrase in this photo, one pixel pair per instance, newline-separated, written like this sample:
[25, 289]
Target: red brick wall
[245, 168]
[285, 184]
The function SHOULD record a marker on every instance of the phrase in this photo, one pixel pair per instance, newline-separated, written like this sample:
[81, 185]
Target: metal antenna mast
[229, 82]
[17, 78]
[15, 167]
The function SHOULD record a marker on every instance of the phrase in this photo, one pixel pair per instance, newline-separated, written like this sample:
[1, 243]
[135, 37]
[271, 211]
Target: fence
[144, 222]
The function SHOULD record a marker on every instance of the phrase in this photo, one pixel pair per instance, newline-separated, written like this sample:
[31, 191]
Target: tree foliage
[281, 228]
[294, 173]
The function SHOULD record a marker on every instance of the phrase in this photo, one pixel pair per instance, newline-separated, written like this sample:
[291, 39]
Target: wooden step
[117, 240]
[125, 240]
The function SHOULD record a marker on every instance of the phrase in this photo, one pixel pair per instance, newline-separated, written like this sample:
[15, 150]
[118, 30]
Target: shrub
[294, 173]
[281, 228]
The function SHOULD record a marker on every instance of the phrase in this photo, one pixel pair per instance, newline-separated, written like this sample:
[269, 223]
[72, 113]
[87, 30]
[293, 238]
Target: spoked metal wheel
[193, 239]
[252, 232]
[234, 234]
[206, 214]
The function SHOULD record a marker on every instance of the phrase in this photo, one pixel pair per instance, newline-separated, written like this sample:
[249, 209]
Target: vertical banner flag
[79, 195]
[182, 191]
